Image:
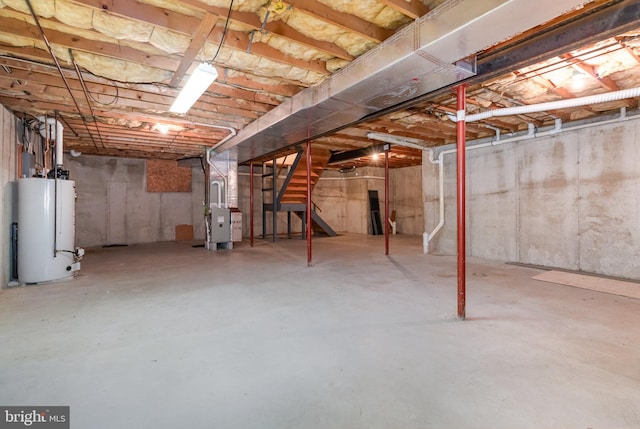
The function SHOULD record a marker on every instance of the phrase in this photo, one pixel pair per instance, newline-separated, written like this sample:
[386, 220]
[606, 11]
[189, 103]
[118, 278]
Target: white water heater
[46, 230]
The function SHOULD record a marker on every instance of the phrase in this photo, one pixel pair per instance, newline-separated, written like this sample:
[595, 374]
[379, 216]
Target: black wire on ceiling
[116, 97]
[224, 32]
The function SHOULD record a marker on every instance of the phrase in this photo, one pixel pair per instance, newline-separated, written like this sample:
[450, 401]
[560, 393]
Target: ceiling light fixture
[201, 78]
[163, 128]
[375, 156]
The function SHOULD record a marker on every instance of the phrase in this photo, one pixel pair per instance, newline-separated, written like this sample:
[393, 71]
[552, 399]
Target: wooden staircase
[295, 191]
[292, 195]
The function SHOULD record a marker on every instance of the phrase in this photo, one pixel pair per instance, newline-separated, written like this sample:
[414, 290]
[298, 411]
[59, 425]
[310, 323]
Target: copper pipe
[86, 96]
[55, 60]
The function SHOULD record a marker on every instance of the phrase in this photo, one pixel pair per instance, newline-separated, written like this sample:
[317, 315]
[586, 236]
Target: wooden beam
[281, 29]
[55, 93]
[145, 13]
[242, 42]
[246, 82]
[413, 8]
[124, 96]
[631, 53]
[185, 24]
[24, 29]
[241, 81]
[351, 23]
[197, 42]
[252, 100]
[604, 81]
[562, 92]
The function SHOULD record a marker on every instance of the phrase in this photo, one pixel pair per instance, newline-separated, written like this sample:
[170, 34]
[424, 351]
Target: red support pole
[251, 204]
[461, 158]
[308, 202]
[386, 200]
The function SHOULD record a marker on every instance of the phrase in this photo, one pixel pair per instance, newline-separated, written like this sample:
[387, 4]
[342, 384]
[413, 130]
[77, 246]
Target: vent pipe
[52, 129]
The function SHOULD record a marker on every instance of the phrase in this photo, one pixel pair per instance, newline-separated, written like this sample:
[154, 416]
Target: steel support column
[274, 200]
[386, 199]
[461, 164]
[251, 213]
[308, 217]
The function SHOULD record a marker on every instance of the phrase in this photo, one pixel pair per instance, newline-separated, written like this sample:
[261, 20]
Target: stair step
[296, 191]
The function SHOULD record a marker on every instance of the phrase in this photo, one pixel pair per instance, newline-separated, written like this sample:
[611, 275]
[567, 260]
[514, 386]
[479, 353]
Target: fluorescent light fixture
[202, 77]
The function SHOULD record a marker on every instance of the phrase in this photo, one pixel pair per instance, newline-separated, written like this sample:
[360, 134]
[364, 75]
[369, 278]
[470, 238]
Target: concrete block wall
[113, 206]
[406, 199]
[569, 201]
[8, 177]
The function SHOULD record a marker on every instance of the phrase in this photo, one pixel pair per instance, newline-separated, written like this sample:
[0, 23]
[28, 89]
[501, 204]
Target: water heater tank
[46, 229]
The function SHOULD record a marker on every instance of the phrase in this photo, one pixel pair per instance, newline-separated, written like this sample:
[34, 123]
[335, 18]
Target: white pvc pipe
[219, 185]
[427, 237]
[398, 140]
[530, 135]
[553, 105]
[54, 132]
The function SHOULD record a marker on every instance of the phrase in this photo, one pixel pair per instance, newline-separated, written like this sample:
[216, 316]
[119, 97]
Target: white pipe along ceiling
[551, 105]
[433, 52]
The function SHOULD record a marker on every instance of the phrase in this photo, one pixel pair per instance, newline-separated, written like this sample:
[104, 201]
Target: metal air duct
[433, 52]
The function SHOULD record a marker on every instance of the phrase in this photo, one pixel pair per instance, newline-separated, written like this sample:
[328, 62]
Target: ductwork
[224, 168]
[432, 52]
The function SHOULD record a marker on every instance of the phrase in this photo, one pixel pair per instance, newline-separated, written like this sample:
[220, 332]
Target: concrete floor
[170, 336]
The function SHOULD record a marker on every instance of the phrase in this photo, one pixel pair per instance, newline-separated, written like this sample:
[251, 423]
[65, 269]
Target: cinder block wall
[113, 206]
[8, 171]
[569, 201]
[406, 199]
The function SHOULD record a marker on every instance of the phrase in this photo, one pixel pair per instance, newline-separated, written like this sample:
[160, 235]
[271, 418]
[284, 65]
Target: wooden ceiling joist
[412, 8]
[342, 20]
[197, 42]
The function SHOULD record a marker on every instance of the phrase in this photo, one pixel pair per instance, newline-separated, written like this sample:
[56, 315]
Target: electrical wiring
[224, 32]
[115, 97]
